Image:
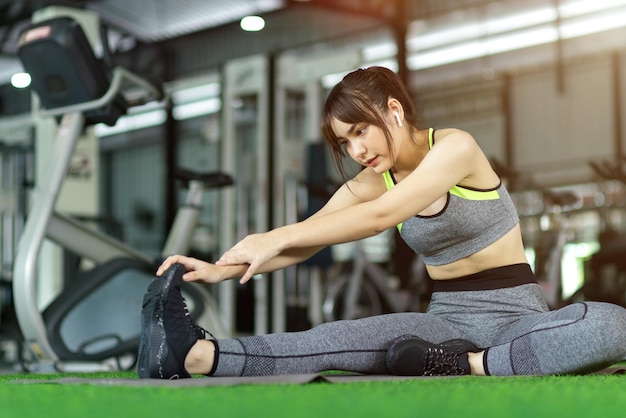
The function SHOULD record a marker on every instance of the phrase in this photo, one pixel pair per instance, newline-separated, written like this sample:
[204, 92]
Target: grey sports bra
[471, 220]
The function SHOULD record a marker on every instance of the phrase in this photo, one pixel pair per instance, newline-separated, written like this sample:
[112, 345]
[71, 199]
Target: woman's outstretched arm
[455, 158]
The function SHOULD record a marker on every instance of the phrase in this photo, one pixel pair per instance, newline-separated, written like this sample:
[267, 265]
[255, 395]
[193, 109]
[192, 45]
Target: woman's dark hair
[362, 96]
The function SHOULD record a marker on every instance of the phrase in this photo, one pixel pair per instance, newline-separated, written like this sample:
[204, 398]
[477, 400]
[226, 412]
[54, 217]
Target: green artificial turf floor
[602, 395]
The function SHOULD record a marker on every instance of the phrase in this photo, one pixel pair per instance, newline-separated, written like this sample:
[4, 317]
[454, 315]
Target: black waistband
[496, 278]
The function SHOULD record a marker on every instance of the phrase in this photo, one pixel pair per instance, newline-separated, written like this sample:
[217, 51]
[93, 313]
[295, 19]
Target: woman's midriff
[507, 250]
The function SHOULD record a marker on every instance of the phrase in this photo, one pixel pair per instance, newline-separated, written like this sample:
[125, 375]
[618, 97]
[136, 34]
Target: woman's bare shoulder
[455, 133]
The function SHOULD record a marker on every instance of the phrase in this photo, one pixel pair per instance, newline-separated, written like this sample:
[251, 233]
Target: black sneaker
[167, 330]
[410, 355]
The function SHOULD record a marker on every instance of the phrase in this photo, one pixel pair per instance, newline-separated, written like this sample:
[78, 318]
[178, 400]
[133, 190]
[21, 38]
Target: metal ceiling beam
[378, 9]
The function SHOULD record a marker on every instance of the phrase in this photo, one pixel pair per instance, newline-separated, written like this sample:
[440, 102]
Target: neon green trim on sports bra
[389, 184]
[469, 194]
[388, 180]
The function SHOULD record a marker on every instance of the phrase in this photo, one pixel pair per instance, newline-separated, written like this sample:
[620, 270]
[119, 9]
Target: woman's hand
[254, 250]
[197, 270]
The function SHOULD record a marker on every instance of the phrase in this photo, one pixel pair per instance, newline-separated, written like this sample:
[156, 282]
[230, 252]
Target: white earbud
[397, 115]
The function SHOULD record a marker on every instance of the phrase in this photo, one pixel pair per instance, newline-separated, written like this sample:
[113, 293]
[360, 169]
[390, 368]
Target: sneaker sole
[402, 354]
[152, 344]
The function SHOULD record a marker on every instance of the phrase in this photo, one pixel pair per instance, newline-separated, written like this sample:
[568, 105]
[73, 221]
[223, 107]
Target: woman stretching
[487, 315]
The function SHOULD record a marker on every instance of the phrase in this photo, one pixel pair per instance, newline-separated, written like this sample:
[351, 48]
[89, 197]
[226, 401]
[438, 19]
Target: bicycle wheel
[368, 301]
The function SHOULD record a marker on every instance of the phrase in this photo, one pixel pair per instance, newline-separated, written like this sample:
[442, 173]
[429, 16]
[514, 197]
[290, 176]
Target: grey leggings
[520, 336]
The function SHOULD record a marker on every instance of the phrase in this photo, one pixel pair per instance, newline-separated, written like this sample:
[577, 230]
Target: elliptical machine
[95, 322]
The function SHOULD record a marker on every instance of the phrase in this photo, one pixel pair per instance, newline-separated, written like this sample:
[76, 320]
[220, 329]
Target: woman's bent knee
[607, 323]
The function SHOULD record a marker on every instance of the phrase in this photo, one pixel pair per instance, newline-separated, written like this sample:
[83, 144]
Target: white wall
[554, 132]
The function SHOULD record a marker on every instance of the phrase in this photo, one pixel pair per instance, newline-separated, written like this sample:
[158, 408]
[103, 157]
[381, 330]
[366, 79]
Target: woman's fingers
[167, 263]
[248, 275]
[188, 262]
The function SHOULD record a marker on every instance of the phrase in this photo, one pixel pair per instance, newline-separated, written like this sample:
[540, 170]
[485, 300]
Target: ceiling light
[252, 23]
[445, 46]
[128, 123]
[196, 109]
[20, 80]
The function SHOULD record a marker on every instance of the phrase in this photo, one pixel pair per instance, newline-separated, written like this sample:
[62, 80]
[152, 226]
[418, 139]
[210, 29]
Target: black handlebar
[210, 180]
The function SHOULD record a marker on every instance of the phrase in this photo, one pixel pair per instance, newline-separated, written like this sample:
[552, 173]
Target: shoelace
[201, 333]
[439, 362]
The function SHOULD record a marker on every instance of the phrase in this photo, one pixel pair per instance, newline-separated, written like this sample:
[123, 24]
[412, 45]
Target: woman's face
[365, 143]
